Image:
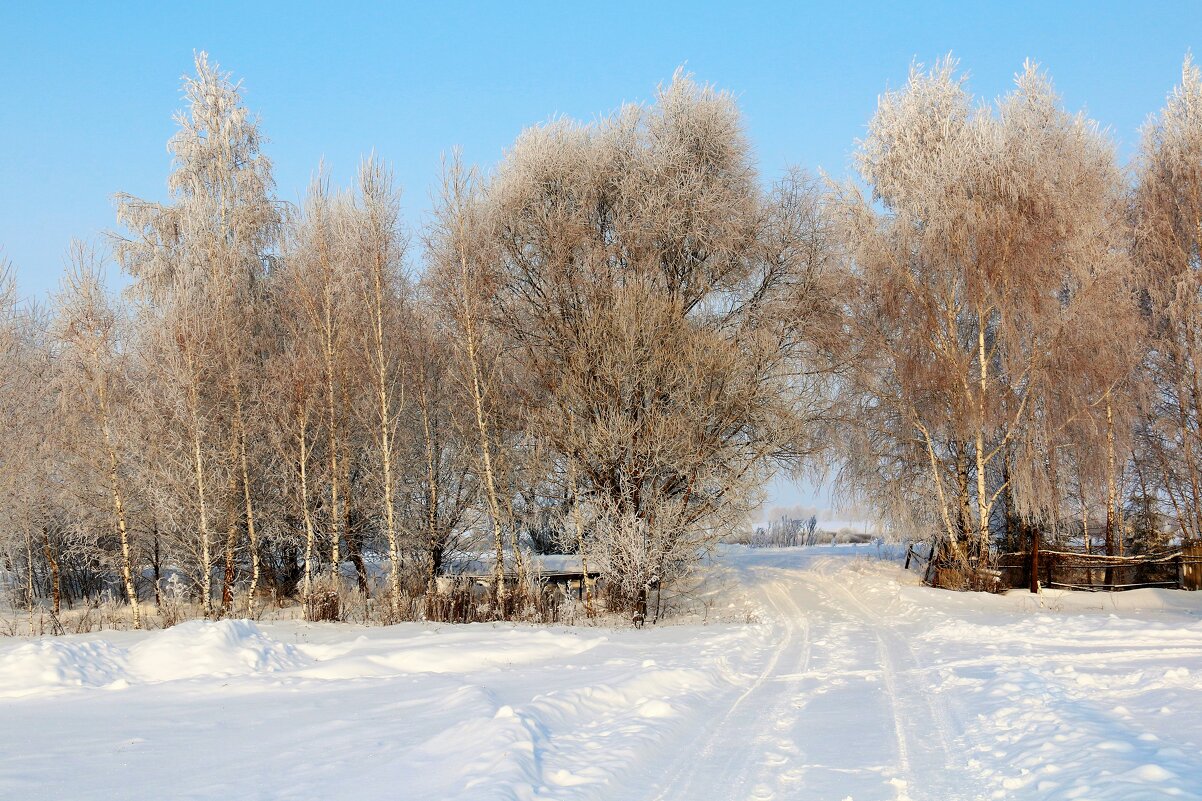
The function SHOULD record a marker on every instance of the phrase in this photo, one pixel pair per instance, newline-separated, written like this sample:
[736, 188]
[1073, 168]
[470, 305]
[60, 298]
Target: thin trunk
[935, 474]
[1034, 575]
[354, 551]
[1111, 491]
[394, 550]
[586, 594]
[29, 587]
[51, 554]
[255, 564]
[1085, 520]
[494, 504]
[310, 536]
[431, 491]
[231, 543]
[206, 552]
[332, 432]
[127, 571]
[982, 500]
[964, 496]
[1191, 468]
[157, 565]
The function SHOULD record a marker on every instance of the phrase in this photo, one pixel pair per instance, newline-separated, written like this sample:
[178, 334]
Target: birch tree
[968, 276]
[87, 327]
[212, 246]
[1168, 211]
[459, 255]
[376, 252]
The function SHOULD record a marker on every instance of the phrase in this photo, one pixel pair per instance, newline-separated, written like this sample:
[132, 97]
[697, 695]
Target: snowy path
[855, 683]
[841, 709]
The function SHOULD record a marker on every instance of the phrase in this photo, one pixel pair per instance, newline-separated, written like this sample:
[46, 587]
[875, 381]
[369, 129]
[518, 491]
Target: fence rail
[1176, 568]
[1179, 568]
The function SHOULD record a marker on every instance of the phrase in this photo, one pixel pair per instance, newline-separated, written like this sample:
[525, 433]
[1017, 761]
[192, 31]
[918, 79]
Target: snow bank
[47, 667]
[193, 650]
[203, 648]
[450, 650]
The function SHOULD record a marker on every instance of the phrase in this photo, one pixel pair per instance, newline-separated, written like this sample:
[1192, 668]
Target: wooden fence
[1179, 568]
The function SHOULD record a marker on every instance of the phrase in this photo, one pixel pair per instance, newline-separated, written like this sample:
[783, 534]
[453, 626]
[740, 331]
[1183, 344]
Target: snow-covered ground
[849, 681]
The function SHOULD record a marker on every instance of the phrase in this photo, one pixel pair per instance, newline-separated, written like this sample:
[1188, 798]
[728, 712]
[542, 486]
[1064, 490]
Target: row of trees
[605, 346]
[601, 354]
[1027, 316]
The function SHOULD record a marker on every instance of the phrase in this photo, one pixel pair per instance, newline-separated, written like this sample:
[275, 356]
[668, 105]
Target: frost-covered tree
[1168, 211]
[990, 249]
[655, 309]
[93, 381]
[211, 248]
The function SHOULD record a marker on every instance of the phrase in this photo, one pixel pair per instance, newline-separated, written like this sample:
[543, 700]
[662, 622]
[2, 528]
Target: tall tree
[376, 253]
[1168, 211]
[93, 381]
[212, 247]
[651, 304]
[973, 262]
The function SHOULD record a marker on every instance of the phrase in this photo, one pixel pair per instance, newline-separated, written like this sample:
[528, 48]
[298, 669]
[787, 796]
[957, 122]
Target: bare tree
[87, 327]
[651, 304]
[457, 245]
[1168, 212]
[212, 247]
[376, 252]
[996, 232]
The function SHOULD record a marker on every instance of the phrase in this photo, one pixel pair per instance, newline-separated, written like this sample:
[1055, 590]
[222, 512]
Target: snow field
[851, 682]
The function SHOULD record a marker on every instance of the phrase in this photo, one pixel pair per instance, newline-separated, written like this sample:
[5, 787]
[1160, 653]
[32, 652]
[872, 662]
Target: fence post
[1034, 569]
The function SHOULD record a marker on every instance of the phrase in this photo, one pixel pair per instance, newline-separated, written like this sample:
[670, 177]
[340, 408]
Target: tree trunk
[1034, 570]
[585, 594]
[56, 589]
[332, 436]
[157, 565]
[310, 536]
[127, 571]
[231, 543]
[385, 439]
[29, 586]
[206, 550]
[982, 500]
[494, 504]
[431, 492]
[1111, 491]
[355, 553]
[251, 535]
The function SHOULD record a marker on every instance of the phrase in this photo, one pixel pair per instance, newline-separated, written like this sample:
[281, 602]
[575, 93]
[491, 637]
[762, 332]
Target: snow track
[764, 745]
[726, 757]
[854, 683]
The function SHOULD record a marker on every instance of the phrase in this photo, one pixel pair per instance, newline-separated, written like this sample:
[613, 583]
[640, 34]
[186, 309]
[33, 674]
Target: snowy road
[851, 682]
[840, 709]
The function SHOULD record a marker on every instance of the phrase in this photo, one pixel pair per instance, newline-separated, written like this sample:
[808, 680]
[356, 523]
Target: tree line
[606, 345]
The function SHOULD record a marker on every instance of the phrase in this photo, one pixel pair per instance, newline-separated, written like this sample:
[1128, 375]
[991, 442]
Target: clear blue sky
[89, 88]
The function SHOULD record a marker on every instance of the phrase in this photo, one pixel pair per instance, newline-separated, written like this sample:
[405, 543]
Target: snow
[833, 676]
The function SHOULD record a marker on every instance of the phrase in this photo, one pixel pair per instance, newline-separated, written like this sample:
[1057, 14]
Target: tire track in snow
[736, 740]
[937, 766]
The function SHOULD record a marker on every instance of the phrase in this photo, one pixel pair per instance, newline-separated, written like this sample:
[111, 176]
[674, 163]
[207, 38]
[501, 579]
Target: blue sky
[88, 89]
